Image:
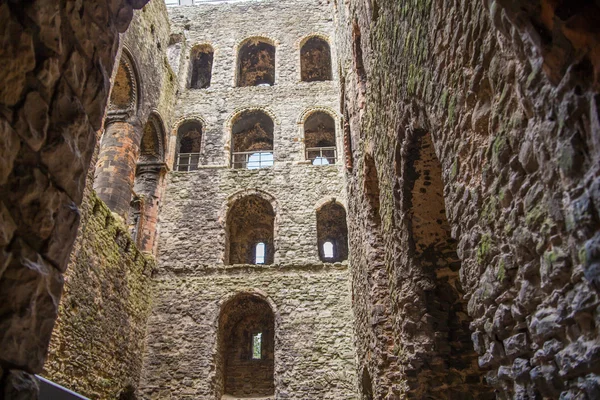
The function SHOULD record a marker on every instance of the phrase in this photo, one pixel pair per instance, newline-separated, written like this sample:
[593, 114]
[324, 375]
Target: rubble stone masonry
[506, 93]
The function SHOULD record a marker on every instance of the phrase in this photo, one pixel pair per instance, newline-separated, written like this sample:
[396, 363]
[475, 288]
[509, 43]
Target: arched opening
[123, 90]
[252, 140]
[319, 138]
[251, 224]
[246, 347]
[357, 54]
[201, 64]
[145, 198]
[366, 385]
[189, 144]
[315, 60]
[371, 190]
[332, 233]
[256, 63]
[434, 259]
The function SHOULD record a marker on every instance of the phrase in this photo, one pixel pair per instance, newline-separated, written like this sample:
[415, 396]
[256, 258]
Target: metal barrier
[52, 391]
[321, 155]
[187, 162]
[252, 159]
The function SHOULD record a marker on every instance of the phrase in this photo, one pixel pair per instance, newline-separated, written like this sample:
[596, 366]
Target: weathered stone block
[20, 385]
[30, 290]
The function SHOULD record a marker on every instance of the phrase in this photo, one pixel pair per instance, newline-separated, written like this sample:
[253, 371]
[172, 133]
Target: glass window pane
[328, 250]
[320, 161]
[260, 160]
[260, 253]
[257, 346]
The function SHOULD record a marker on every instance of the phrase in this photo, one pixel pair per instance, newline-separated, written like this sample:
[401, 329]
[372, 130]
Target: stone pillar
[115, 171]
[147, 189]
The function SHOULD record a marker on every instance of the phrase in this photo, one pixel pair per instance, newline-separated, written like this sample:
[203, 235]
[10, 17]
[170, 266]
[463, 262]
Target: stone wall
[314, 355]
[98, 339]
[313, 349]
[193, 218]
[507, 93]
[57, 60]
[224, 27]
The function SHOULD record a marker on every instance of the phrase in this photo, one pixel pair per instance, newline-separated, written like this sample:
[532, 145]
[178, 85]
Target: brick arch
[195, 161]
[311, 110]
[299, 43]
[126, 93]
[332, 226]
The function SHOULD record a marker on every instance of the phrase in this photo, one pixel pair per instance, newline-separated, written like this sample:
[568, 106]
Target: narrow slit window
[257, 346]
[260, 253]
[328, 250]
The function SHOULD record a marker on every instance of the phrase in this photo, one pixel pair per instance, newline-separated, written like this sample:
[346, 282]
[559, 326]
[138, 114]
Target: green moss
[452, 109]
[484, 248]
[444, 99]
[582, 255]
[501, 271]
[509, 228]
[535, 215]
[490, 209]
[454, 170]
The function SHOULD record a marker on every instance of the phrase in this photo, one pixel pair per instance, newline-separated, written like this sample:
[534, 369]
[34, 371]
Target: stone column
[147, 189]
[115, 171]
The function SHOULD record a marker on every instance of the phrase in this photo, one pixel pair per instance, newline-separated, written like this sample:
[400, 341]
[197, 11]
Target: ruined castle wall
[224, 27]
[56, 60]
[98, 341]
[193, 218]
[314, 356]
[311, 300]
[99, 335]
[508, 96]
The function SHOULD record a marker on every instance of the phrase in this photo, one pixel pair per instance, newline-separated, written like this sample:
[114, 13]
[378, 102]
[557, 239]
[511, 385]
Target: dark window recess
[315, 60]
[256, 64]
[202, 61]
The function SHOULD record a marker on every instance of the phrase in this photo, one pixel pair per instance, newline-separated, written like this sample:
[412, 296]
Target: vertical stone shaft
[115, 172]
[147, 184]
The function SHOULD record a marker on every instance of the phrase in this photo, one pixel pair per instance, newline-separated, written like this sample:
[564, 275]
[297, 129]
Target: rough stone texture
[314, 358]
[213, 216]
[57, 59]
[98, 340]
[507, 91]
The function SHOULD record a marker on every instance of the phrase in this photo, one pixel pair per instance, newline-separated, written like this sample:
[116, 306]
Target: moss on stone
[485, 247]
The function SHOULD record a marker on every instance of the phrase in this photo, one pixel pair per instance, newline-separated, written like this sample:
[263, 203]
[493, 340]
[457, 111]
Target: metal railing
[187, 162]
[321, 155]
[252, 159]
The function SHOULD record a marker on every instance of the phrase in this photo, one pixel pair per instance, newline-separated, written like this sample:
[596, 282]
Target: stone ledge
[212, 269]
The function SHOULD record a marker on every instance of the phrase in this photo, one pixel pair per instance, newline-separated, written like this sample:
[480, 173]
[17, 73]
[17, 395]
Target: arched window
[256, 63]
[332, 233]
[201, 64]
[246, 348]
[315, 60]
[250, 223]
[252, 140]
[189, 143]
[319, 138]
